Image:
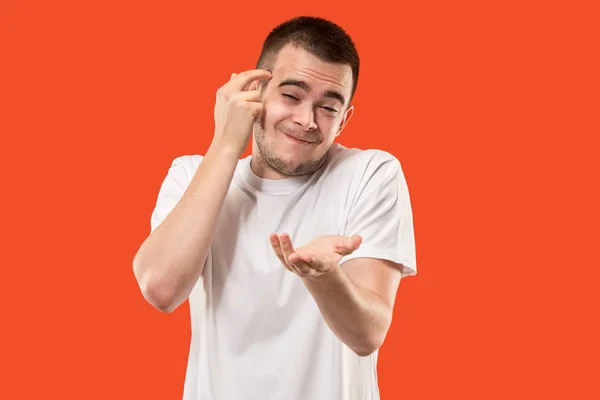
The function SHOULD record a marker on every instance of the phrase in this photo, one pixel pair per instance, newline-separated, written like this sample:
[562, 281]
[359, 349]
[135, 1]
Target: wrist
[224, 151]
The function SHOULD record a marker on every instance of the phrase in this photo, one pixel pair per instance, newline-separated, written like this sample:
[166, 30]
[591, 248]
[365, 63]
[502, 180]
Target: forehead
[296, 63]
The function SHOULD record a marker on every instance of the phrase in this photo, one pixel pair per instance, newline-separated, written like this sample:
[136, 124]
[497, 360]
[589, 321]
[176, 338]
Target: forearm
[171, 259]
[358, 317]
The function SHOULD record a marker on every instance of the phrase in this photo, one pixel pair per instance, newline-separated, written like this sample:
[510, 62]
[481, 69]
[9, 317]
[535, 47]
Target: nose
[305, 117]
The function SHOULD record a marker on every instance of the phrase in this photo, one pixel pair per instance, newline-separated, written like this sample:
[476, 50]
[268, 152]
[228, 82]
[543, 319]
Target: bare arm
[171, 259]
[356, 298]
[360, 317]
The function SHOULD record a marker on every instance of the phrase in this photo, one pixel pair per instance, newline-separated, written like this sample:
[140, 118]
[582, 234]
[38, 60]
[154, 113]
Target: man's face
[305, 107]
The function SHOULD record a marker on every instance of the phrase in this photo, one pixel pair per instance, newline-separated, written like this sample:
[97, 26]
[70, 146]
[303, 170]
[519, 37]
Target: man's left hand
[318, 257]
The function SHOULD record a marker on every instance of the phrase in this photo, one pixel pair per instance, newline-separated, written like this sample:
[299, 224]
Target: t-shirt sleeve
[381, 214]
[171, 190]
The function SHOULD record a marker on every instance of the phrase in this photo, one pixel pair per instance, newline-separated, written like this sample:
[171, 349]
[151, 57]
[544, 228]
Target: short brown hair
[320, 37]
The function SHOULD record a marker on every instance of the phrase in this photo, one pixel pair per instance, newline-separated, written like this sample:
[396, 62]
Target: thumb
[349, 244]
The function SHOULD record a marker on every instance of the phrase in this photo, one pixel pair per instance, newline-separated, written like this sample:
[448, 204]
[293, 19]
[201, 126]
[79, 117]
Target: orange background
[492, 108]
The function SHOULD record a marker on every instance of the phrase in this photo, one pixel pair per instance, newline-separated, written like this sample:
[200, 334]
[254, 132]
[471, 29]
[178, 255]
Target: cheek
[275, 112]
[329, 127]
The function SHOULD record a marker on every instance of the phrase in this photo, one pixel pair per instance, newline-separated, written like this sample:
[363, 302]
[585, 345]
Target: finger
[294, 269]
[253, 86]
[288, 251]
[303, 259]
[316, 264]
[307, 258]
[303, 268]
[257, 109]
[349, 244]
[275, 244]
[243, 80]
[301, 256]
[250, 95]
[286, 245]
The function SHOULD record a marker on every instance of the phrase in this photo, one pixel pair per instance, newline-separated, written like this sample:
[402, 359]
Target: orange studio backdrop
[491, 107]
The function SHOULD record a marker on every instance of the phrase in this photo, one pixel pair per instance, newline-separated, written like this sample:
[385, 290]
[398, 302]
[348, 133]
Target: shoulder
[363, 162]
[183, 167]
[186, 161]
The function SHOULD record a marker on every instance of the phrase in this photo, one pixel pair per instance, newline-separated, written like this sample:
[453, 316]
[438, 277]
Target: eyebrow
[303, 85]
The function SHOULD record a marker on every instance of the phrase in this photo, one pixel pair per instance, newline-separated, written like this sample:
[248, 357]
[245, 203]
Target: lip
[296, 139]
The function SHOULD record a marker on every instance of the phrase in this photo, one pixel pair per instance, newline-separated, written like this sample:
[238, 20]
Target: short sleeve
[172, 189]
[381, 214]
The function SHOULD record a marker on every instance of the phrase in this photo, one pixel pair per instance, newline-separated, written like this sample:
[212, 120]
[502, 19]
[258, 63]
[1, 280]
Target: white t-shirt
[257, 333]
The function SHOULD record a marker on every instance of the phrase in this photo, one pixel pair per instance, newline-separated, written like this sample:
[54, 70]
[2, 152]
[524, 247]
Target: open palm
[317, 257]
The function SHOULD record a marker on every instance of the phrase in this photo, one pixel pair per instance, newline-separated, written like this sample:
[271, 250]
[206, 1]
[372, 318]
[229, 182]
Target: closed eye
[289, 96]
[333, 110]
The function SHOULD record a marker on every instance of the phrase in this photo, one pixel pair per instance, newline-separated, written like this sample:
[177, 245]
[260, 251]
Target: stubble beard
[270, 159]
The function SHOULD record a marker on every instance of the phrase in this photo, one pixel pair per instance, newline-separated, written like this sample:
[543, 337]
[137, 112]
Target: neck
[262, 169]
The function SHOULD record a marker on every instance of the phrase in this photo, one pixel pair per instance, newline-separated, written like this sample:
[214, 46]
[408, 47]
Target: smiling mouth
[295, 139]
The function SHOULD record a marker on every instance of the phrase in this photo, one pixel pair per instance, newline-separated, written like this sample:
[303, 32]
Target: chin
[285, 156]
[287, 163]
[293, 163]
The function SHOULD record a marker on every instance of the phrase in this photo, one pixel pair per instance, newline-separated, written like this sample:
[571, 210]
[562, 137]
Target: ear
[347, 115]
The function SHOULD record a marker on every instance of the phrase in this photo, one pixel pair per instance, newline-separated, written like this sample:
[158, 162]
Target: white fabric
[257, 333]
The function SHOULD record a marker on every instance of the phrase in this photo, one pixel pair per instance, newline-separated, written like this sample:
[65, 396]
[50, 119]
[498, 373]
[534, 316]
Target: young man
[291, 257]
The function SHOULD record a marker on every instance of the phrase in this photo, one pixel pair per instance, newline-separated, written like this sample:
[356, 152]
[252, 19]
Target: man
[291, 257]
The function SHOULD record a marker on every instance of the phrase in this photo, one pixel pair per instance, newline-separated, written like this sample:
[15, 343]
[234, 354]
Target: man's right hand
[172, 258]
[237, 107]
